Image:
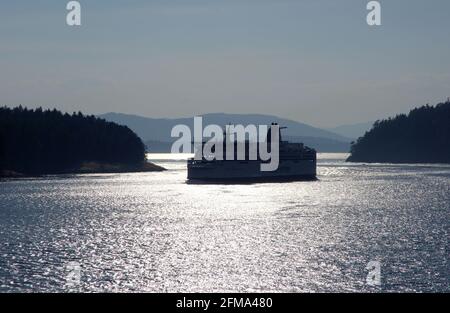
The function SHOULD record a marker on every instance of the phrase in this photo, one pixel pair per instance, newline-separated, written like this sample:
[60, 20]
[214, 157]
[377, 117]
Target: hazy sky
[315, 61]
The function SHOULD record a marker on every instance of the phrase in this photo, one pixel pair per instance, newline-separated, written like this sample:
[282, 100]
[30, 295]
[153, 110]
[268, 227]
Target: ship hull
[229, 171]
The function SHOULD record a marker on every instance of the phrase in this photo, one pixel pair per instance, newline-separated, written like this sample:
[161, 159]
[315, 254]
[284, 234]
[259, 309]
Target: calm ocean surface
[153, 232]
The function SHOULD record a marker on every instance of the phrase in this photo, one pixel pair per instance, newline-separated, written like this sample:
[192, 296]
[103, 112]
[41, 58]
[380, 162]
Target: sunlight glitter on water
[154, 232]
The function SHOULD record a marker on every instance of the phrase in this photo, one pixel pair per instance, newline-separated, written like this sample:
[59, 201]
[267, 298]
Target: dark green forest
[48, 141]
[422, 136]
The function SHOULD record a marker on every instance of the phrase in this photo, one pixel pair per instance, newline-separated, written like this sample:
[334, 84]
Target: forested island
[37, 142]
[422, 136]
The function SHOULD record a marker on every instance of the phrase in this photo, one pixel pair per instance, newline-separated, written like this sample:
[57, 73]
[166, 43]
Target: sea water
[154, 232]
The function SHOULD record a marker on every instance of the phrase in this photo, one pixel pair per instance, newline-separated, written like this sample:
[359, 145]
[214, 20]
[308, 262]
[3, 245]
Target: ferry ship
[296, 162]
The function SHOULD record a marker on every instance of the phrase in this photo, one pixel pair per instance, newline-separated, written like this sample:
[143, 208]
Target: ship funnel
[269, 132]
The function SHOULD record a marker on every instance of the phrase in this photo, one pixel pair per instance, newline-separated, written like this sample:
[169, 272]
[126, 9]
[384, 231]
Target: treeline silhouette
[46, 142]
[422, 136]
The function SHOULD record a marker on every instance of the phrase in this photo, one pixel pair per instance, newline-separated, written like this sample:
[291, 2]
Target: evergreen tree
[48, 141]
[422, 136]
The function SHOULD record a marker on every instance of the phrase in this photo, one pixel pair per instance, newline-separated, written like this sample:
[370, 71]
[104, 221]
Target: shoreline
[91, 168]
[362, 160]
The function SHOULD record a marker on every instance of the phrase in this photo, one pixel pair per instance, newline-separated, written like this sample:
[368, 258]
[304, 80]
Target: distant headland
[39, 142]
[156, 132]
[422, 136]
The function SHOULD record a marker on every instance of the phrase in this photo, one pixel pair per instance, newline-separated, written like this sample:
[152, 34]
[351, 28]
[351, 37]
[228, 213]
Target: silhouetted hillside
[41, 142]
[422, 136]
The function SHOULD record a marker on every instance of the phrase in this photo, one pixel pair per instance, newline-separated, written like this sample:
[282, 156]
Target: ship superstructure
[296, 162]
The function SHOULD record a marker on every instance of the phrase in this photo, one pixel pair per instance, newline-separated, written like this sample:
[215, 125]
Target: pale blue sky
[315, 61]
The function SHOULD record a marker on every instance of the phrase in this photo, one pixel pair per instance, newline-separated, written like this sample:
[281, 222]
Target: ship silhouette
[296, 162]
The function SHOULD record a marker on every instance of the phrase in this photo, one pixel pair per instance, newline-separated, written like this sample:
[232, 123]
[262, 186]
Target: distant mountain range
[155, 132]
[353, 131]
